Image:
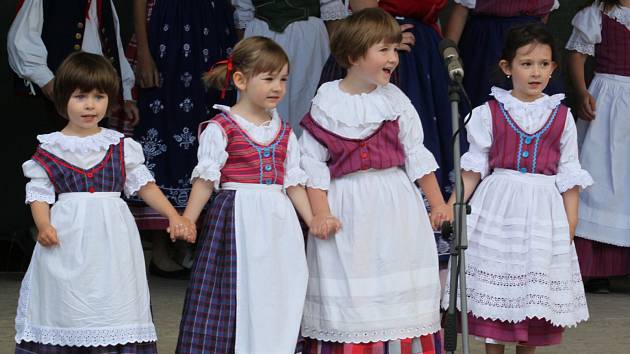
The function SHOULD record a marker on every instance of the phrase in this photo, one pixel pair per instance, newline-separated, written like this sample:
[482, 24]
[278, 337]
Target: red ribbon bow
[230, 66]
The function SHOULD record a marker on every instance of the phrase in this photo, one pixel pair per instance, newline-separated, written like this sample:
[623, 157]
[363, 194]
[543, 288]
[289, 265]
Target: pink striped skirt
[428, 344]
[532, 332]
[599, 259]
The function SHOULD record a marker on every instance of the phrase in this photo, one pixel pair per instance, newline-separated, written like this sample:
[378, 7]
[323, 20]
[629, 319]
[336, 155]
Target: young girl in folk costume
[298, 27]
[603, 243]
[248, 280]
[480, 26]
[374, 285]
[176, 42]
[522, 274]
[86, 287]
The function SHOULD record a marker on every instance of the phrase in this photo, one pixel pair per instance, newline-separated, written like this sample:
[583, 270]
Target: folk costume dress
[91, 289]
[374, 285]
[185, 39]
[522, 273]
[483, 39]
[298, 27]
[603, 242]
[248, 280]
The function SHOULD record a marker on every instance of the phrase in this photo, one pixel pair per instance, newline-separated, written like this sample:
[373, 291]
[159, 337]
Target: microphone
[448, 49]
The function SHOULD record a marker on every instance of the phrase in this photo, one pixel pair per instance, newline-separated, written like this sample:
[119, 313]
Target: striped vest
[612, 54]
[106, 176]
[249, 161]
[514, 149]
[380, 150]
[511, 8]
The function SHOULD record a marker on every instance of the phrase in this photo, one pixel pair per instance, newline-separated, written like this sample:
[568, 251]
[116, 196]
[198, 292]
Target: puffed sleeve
[467, 3]
[313, 162]
[26, 50]
[294, 174]
[211, 155]
[587, 30]
[333, 10]
[479, 130]
[138, 175]
[419, 161]
[39, 188]
[570, 172]
[243, 13]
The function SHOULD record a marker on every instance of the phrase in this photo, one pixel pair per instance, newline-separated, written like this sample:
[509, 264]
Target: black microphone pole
[460, 211]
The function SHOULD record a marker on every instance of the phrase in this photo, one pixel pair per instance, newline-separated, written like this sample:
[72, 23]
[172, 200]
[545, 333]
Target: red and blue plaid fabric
[129, 348]
[208, 323]
[106, 176]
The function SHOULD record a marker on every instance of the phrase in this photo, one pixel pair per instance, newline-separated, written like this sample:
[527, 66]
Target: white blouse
[212, 155]
[329, 9]
[84, 152]
[358, 116]
[472, 3]
[587, 27]
[530, 116]
[28, 54]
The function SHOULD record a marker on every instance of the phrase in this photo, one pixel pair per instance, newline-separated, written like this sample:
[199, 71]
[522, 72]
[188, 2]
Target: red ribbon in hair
[230, 66]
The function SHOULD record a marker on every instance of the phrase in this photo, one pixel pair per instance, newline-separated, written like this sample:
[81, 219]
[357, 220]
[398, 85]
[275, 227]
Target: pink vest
[248, 161]
[380, 150]
[514, 149]
[613, 53]
[511, 8]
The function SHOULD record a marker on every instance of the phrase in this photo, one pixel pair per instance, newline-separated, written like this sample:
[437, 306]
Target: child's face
[531, 70]
[377, 65]
[86, 109]
[265, 90]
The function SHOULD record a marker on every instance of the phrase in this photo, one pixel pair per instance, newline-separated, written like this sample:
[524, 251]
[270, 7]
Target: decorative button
[77, 47]
[89, 174]
[523, 170]
[363, 144]
[267, 168]
[80, 25]
[268, 181]
[528, 141]
[91, 189]
[78, 35]
[266, 153]
[364, 155]
[525, 154]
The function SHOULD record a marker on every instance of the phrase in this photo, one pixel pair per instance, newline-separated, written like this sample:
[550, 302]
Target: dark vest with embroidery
[612, 54]
[514, 149]
[106, 176]
[380, 150]
[511, 8]
[280, 13]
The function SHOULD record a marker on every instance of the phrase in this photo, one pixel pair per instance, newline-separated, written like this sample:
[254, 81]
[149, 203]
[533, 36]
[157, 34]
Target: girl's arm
[178, 225]
[299, 198]
[571, 199]
[323, 223]
[46, 233]
[586, 102]
[199, 196]
[439, 210]
[471, 180]
[456, 23]
[146, 71]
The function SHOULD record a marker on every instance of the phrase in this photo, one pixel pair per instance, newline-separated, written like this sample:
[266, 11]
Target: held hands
[324, 225]
[47, 236]
[181, 228]
[586, 106]
[439, 214]
[408, 39]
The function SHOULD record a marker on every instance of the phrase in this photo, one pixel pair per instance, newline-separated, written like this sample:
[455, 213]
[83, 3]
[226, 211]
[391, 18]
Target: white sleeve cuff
[476, 163]
[136, 179]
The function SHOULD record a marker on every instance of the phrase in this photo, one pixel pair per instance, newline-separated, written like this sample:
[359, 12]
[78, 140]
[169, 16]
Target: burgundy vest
[510, 8]
[514, 149]
[249, 161]
[613, 53]
[380, 150]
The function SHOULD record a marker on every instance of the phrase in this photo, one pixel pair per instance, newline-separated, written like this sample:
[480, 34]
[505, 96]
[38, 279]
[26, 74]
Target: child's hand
[408, 39]
[182, 228]
[586, 106]
[47, 236]
[440, 214]
[324, 225]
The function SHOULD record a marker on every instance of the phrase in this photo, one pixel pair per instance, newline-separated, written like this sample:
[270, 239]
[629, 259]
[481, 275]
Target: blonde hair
[251, 56]
[361, 30]
[85, 72]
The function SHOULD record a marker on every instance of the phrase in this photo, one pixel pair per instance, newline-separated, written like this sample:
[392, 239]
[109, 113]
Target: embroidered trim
[584, 48]
[621, 15]
[370, 336]
[568, 180]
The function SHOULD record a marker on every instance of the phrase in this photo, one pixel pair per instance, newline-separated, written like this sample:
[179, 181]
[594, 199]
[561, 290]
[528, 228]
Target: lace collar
[620, 14]
[512, 103]
[92, 143]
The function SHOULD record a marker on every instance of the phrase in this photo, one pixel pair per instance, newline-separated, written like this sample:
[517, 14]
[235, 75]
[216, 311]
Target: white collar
[91, 143]
[513, 104]
[620, 14]
[244, 123]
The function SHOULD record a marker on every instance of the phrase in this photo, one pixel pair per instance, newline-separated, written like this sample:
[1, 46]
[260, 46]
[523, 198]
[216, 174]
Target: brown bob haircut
[361, 30]
[85, 72]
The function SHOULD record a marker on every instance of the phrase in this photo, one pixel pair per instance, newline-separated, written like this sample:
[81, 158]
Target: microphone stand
[460, 241]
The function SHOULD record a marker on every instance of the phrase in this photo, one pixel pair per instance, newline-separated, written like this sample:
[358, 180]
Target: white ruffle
[530, 116]
[82, 145]
[476, 163]
[136, 179]
[370, 336]
[294, 177]
[341, 108]
[333, 10]
[621, 15]
[207, 170]
[584, 48]
[85, 336]
[419, 163]
[568, 180]
[318, 173]
[33, 195]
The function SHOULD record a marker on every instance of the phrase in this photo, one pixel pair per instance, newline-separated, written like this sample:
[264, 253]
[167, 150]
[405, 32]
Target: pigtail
[219, 75]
